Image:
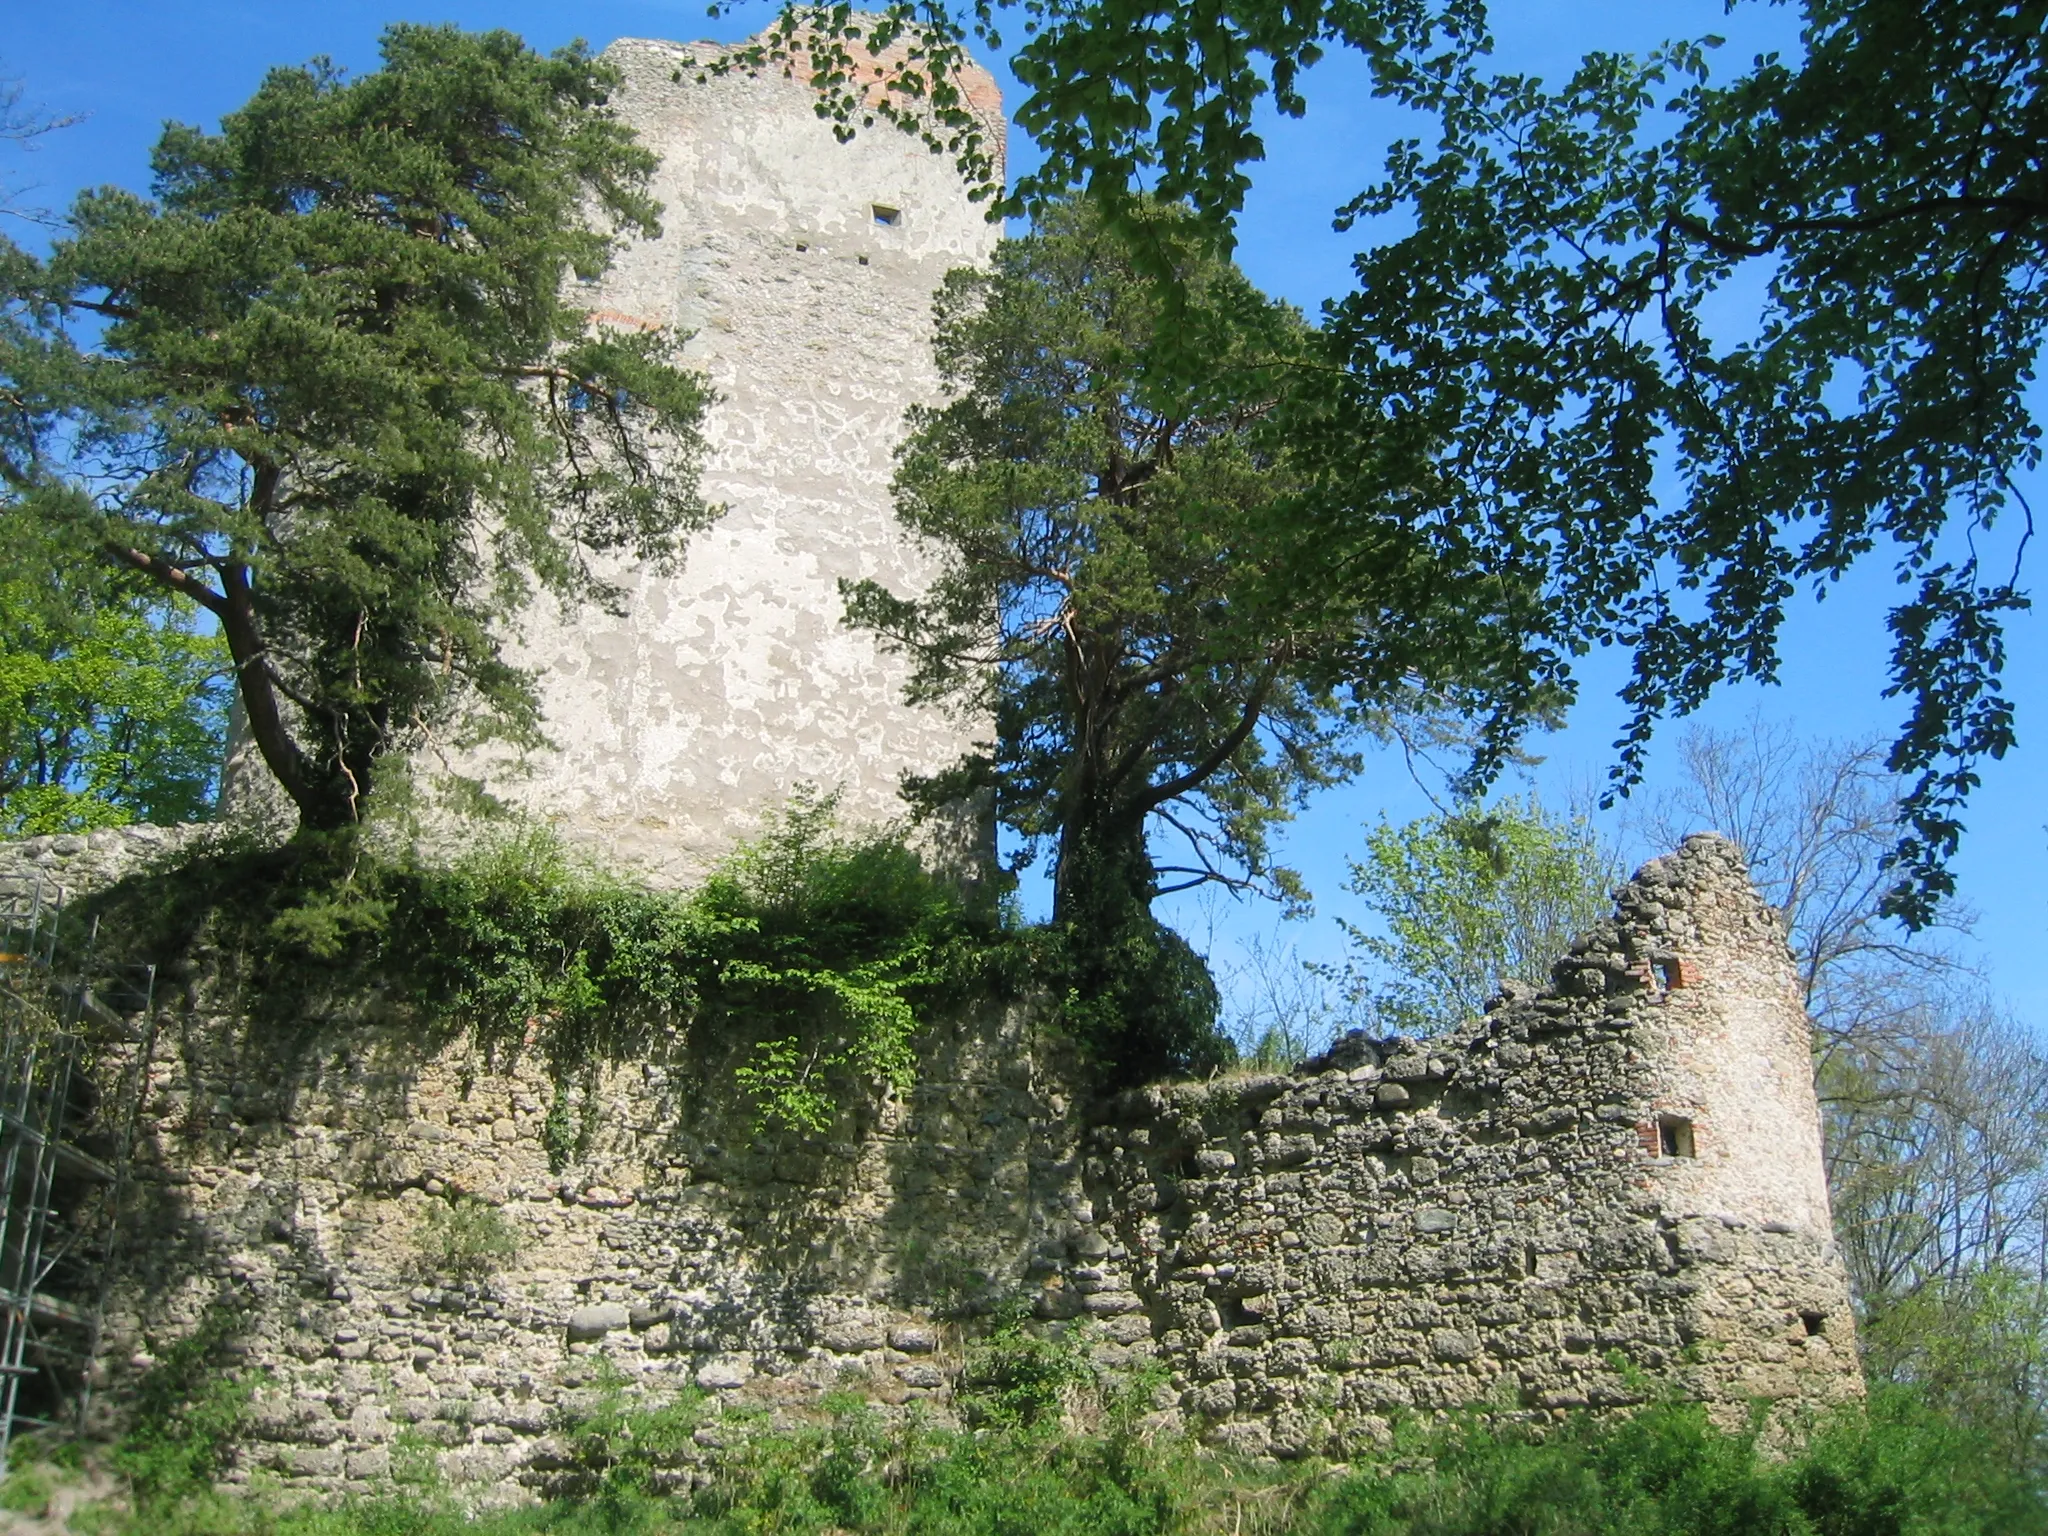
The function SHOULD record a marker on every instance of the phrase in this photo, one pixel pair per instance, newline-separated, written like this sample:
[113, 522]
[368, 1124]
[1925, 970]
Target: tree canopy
[1467, 899]
[1540, 326]
[112, 705]
[332, 387]
[1120, 544]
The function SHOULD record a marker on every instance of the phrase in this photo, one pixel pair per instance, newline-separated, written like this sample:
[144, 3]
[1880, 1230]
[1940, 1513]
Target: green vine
[805, 964]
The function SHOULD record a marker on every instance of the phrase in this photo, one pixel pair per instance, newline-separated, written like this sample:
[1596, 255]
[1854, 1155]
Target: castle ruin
[1607, 1188]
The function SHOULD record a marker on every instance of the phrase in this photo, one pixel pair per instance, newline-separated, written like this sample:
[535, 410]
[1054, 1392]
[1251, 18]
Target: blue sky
[130, 64]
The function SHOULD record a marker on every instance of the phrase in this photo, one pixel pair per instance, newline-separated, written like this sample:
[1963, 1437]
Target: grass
[1894, 1469]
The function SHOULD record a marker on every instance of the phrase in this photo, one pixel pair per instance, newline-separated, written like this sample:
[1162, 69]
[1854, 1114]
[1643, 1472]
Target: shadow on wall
[1598, 1192]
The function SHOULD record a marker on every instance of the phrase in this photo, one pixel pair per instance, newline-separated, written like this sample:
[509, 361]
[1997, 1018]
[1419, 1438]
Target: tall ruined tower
[803, 270]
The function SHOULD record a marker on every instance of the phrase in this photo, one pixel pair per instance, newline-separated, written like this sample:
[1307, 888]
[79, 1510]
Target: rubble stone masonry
[1605, 1188]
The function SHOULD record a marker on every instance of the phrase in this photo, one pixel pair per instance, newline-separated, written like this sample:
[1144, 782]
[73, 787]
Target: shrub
[1018, 1379]
[464, 1238]
[189, 1412]
[27, 1490]
[1894, 1470]
[1891, 1470]
[619, 1450]
[807, 960]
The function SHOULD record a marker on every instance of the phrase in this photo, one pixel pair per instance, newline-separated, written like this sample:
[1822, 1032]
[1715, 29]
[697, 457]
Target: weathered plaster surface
[680, 724]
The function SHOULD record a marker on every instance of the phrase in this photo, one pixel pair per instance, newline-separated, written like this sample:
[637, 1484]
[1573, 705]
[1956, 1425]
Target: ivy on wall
[805, 964]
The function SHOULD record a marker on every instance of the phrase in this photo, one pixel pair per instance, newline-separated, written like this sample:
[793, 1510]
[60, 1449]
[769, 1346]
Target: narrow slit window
[886, 216]
[1674, 1137]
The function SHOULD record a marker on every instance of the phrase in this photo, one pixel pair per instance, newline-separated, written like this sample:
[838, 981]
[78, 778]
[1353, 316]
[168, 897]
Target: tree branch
[1224, 750]
[2032, 208]
[175, 577]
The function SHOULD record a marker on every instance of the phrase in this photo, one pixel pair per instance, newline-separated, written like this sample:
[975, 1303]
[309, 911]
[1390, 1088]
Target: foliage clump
[113, 704]
[188, 1415]
[1017, 1378]
[464, 1238]
[1467, 898]
[802, 963]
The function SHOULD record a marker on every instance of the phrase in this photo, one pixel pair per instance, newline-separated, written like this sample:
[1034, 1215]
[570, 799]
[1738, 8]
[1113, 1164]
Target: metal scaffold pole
[63, 1045]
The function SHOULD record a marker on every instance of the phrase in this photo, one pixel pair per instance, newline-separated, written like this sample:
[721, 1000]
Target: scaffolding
[75, 1048]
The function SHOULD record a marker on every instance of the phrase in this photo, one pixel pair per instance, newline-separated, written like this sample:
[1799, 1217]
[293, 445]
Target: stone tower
[803, 270]
[1734, 1126]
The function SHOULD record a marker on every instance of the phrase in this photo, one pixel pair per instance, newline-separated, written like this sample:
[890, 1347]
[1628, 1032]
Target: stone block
[593, 1322]
[1112, 1304]
[316, 1461]
[724, 1373]
[1128, 1328]
[914, 1338]
[1455, 1344]
[853, 1336]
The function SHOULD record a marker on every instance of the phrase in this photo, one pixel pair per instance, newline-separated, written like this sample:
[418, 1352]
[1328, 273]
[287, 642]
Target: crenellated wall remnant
[1607, 1187]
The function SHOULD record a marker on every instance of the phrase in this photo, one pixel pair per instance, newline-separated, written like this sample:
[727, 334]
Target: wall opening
[887, 216]
[1813, 1322]
[1674, 1137]
[1669, 976]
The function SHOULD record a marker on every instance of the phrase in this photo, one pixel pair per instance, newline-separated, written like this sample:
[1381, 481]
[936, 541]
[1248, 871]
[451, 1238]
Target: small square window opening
[1674, 1137]
[889, 217]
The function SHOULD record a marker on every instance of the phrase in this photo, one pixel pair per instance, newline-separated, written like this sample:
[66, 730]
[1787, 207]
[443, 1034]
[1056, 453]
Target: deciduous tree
[1467, 899]
[112, 706]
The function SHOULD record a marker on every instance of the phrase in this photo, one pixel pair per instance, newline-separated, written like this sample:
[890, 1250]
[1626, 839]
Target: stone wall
[69, 865]
[1604, 1188]
[1618, 1174]
[290, 1189]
